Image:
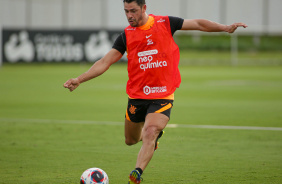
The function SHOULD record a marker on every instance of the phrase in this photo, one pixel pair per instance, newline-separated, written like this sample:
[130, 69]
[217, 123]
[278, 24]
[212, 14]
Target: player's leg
[154, 124]
[132, 132]
[134, 121]
[156, 119]
[158, 115]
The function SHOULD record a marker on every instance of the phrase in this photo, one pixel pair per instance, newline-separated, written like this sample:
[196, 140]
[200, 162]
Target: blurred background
[226, 121]
[65, 23]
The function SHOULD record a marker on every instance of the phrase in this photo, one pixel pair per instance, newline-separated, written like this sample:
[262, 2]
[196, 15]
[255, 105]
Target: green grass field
[49, 135]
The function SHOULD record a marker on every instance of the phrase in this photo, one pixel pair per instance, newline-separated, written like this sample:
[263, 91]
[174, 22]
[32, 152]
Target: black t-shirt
[120, 43]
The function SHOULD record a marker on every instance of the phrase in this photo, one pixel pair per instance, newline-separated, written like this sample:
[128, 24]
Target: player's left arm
[209, 26]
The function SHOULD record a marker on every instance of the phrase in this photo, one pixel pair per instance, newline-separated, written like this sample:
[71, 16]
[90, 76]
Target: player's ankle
[139, 170]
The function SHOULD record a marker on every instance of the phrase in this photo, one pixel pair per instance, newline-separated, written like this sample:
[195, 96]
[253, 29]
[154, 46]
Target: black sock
[139, 170]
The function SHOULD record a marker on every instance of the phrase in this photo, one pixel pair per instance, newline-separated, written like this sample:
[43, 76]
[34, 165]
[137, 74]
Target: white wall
[260, 15]
[164, 7]
[13, 13]
[275, 15]
[247, 11]
[86, 13]
[46, 13]
[206, 9]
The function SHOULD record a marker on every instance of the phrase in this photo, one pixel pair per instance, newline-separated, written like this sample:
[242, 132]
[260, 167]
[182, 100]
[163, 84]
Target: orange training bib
[153, 59]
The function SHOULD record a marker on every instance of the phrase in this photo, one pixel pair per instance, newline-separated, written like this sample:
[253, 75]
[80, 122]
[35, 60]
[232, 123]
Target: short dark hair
[139, 2]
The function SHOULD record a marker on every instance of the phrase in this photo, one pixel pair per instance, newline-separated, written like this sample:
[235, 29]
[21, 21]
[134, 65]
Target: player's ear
[144, 8]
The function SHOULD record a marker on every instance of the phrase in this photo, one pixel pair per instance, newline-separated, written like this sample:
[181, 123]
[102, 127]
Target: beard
[135, 22]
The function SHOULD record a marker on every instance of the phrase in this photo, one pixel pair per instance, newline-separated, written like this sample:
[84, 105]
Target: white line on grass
[224, 127]
[22, 120]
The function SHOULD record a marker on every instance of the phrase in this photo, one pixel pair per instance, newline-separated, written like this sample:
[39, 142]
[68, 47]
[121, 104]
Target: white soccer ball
[94, 176]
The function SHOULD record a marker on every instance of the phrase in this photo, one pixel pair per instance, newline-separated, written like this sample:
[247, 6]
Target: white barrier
[262, 16]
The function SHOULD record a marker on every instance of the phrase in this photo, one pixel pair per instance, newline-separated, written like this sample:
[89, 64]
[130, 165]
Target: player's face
[134, 13]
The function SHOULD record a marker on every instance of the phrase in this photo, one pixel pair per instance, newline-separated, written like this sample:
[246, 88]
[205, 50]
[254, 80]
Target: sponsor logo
[151, 90]
[161, 20]
[131, 29]
[146, 60]
[149, 65]
[18, 47]
[148, 36]
[146, 53]
[150, 42]
[56, 45]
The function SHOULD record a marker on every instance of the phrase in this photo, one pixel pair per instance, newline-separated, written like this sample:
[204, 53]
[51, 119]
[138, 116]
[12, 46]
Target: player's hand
[71, 84]
[233, 27]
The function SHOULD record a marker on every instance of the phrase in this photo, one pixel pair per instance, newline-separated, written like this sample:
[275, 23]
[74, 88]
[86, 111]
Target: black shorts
[137, 109]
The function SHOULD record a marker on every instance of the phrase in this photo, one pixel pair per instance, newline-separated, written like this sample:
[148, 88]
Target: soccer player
[153, 73]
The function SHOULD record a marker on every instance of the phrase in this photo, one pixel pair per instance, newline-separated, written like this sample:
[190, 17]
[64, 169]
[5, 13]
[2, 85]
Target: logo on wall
[19, 47]
[56, 45]
[97, 46]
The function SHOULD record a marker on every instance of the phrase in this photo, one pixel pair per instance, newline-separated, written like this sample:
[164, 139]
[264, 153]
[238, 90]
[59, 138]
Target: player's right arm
[98, 68]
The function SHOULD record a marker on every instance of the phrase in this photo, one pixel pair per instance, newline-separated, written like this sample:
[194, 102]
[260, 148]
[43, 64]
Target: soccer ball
[94, 176]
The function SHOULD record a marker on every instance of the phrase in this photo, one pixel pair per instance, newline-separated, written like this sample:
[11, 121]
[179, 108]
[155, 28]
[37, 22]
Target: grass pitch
[49, 135]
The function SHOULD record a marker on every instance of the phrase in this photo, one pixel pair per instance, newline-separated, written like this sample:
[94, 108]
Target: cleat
[134, 177]
[157, 143]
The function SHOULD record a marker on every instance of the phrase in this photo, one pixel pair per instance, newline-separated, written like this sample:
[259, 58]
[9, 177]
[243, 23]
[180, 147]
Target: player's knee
[151, 133]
